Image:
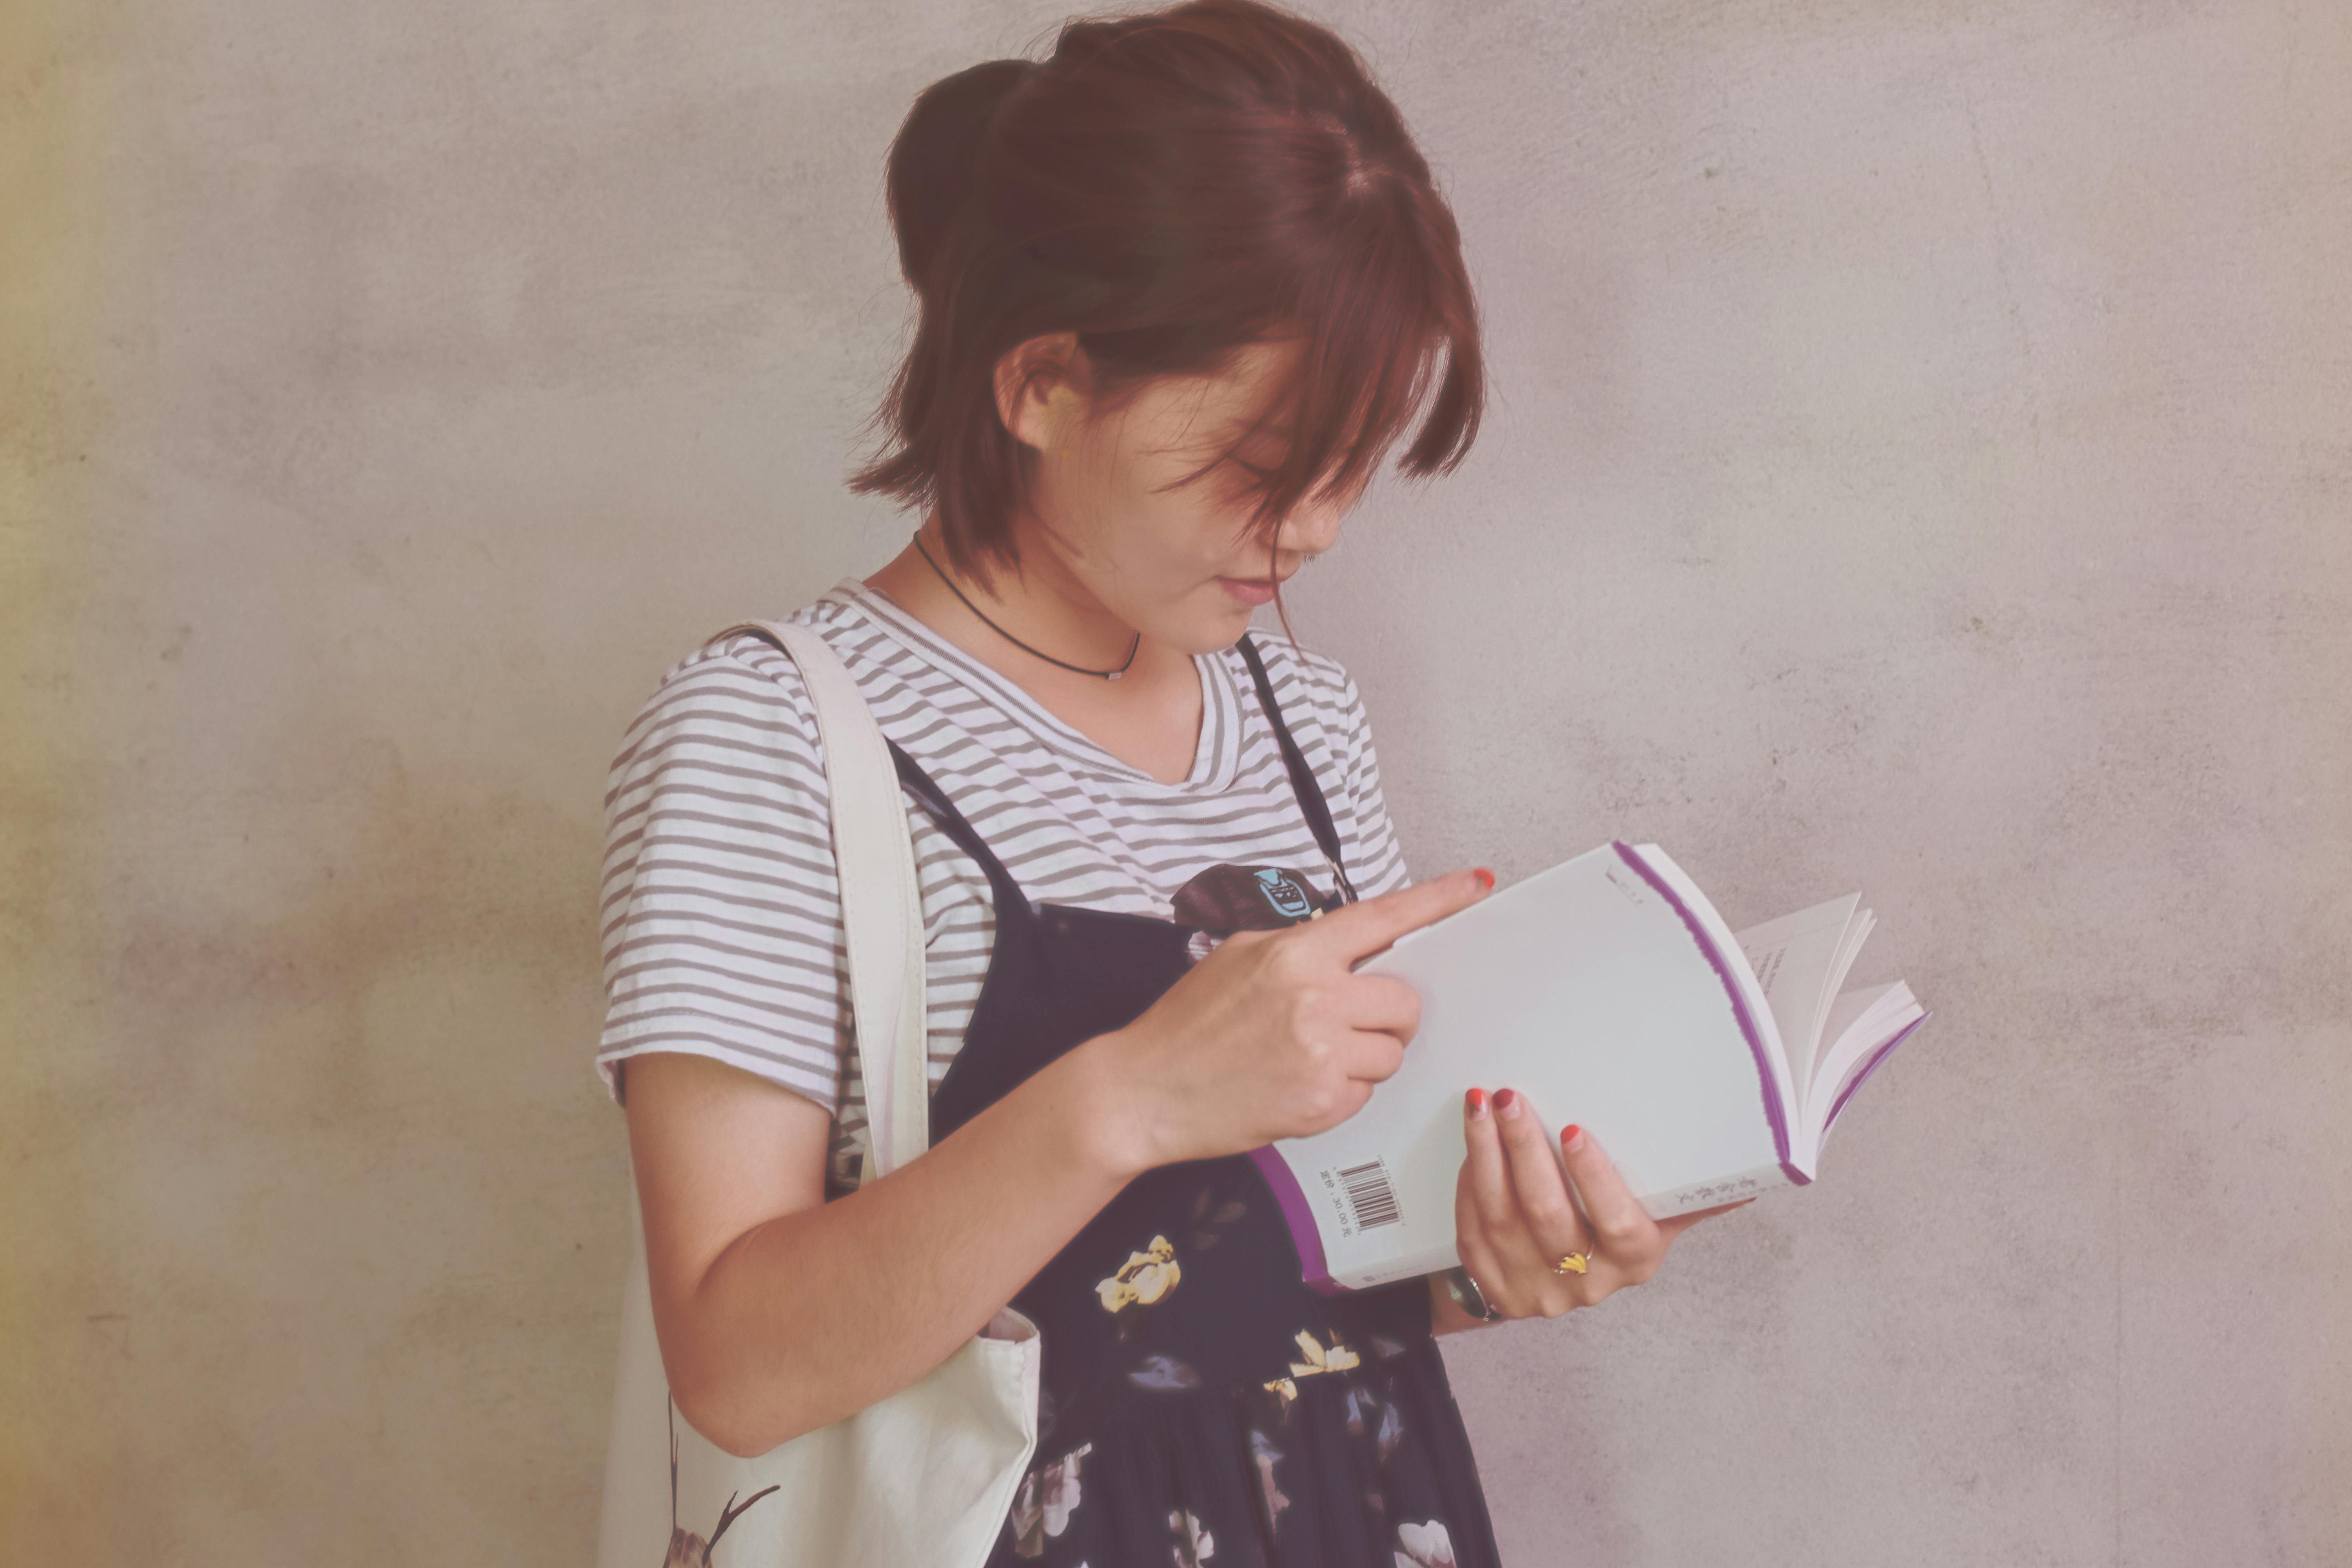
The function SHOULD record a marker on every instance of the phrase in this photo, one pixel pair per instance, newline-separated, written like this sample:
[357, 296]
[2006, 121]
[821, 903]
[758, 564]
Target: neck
[1043, 606]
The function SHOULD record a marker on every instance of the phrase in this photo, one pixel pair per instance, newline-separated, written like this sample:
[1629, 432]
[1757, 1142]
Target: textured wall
[1921, 464]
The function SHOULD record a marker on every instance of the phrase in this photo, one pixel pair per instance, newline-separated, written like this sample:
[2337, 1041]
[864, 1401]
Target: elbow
[723, 1421]
[735, 1409]
[713, 1422]
[740, 1443]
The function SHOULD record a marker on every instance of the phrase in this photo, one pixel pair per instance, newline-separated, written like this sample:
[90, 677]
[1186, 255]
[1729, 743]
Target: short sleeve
[1378, 859]
[720, 919]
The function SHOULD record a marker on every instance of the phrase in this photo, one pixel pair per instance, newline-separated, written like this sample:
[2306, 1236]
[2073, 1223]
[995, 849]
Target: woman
[1181, 286]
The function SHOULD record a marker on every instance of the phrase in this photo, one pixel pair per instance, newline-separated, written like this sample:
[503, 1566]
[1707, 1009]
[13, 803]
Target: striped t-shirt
[721, 917]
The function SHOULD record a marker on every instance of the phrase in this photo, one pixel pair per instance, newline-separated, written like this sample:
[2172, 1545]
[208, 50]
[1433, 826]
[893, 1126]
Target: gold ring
[1573, 1263]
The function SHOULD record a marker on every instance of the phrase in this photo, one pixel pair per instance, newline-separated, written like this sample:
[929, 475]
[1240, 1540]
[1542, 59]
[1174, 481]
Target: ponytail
[937, 150]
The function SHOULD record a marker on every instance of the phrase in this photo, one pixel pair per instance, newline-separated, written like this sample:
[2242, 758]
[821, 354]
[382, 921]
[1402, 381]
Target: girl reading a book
[1181, 286]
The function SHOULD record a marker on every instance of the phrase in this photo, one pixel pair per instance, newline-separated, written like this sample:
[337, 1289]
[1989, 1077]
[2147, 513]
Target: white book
[1607, 991]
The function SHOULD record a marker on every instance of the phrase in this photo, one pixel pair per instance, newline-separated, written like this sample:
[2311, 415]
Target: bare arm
[778, 1312]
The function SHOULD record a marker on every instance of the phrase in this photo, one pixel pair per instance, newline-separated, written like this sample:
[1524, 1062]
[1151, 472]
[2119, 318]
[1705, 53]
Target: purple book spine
[1292, 1201]
[1774, 1111]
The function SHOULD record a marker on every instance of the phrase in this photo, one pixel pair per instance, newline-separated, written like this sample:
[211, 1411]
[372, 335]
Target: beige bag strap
[923, 1479]
[881, 901]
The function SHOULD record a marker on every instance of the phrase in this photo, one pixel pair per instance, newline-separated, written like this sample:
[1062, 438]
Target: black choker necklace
[1016, 642]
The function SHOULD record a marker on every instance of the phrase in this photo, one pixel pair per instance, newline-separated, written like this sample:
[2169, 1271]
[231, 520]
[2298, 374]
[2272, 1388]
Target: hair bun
[936, 152]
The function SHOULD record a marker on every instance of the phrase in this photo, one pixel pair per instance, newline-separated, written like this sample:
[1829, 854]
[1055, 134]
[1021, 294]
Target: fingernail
[1570, 1136]
[1486, 879]
[1507, 1101]
[1475, 1103]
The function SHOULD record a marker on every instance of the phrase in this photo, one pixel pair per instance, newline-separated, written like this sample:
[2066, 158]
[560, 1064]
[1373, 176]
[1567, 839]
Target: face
[1112, 527]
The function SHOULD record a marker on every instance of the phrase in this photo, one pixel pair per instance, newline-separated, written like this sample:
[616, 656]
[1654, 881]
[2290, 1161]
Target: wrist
[1113, 1130]
[1463, 1296]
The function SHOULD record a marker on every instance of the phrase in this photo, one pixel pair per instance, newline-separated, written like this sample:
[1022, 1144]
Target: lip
[1248, 590]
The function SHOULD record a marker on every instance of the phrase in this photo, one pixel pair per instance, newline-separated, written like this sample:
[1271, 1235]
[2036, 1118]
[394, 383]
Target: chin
[1208, 635]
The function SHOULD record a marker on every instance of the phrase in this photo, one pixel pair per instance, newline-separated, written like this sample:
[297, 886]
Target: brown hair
[1170, 187]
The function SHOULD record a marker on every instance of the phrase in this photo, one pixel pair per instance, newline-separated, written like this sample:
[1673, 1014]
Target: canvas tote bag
[925, 1478]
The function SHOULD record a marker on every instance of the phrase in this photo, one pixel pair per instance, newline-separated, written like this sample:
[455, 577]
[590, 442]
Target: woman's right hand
[1273, 1035]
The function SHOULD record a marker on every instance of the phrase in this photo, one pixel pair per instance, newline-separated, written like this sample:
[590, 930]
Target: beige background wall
[1920, 464]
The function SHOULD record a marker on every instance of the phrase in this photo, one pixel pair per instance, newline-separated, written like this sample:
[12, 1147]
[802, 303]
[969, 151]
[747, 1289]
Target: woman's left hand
[1514, 1219]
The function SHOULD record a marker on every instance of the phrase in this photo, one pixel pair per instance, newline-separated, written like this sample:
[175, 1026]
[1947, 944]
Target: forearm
[818, 1314]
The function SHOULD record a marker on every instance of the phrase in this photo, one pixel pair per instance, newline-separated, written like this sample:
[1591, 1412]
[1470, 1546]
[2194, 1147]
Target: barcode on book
[1369, 1195]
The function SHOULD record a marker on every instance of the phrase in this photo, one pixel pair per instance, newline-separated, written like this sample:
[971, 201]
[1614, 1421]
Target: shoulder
[738, 693]
[733, 717]
[722, 716]
[1311, 686]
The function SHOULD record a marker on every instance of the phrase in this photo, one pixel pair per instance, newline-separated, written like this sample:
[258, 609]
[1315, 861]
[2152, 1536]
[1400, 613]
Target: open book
[1607, 991]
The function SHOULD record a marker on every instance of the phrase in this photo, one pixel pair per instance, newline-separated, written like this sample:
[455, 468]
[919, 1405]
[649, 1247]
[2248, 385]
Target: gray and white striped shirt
[721, 917]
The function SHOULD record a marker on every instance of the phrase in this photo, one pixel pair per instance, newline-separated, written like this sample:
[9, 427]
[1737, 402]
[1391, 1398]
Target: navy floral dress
[1201, 1404]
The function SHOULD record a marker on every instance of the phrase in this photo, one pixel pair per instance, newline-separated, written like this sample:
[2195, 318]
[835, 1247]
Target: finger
[1372, 1055]
[1620, 1224]
[1363, 928]
[1542, 1223]
[1484, 1168]
[1381, 1001]
[1536, 1184]
[1485, 1213]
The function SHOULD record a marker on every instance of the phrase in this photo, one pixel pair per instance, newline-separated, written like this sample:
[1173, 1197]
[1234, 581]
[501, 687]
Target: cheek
[1176, 538]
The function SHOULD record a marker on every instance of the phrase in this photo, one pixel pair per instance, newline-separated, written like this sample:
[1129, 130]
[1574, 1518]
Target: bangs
[1372, 323]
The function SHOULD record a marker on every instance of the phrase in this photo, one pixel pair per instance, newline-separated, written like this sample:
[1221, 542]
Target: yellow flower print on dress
[1143, 1279]
[1338, 1358]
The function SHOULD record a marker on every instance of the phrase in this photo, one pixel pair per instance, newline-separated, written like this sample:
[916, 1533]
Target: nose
[1312, 527]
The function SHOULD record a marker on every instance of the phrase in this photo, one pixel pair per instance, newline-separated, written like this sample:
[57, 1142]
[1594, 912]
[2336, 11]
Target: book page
[1796, 962]
[1860, 1023]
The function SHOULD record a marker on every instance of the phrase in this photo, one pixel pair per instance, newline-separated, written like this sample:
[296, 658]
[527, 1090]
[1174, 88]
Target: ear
[1041, 391]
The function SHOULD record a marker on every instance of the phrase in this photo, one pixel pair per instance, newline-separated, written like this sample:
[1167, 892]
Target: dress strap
[924, 788]
[1302, 777]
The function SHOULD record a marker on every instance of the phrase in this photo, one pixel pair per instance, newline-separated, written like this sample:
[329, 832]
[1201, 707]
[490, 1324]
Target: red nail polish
[1570, 1135]
[1475, 1101]
[1485, 879]
[1507, 1101]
